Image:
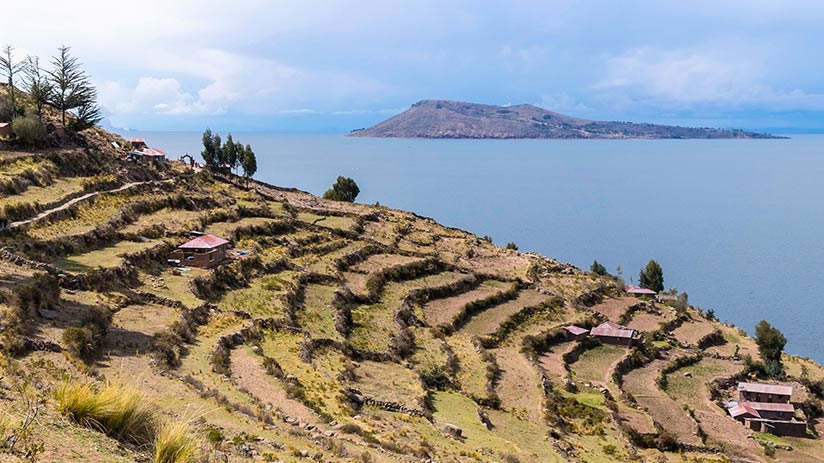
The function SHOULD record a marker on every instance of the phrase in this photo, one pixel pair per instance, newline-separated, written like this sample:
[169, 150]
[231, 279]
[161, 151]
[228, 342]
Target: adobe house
[638, 291]
[778, 427]
[613, 333]
[205, 251]
[765, 393]
[575, 333]
[5, 130]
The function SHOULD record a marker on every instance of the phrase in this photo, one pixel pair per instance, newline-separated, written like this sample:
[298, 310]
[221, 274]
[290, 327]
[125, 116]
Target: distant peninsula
[456, 119]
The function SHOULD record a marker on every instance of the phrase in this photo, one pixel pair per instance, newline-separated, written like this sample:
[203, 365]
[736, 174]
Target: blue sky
[338, 65]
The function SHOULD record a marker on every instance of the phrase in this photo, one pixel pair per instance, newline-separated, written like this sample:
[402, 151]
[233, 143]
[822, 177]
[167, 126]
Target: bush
[344, 189]
[175, 444]
[512, 246]
[29, 131]
[42, 292]
[598, 268]
[118, 410]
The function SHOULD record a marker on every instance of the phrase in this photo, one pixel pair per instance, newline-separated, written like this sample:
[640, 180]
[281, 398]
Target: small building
[794, 428]
[613, 333]
[743, 411]
[638, 291]
[205, 251]
[138, 143]
[575, 333]
[5, 130]
[147, 156]
[764, 393]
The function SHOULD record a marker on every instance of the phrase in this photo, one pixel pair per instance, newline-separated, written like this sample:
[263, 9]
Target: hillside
[455, 119]
[342, 332]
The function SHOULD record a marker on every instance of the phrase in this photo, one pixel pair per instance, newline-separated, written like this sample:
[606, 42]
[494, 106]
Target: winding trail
[74, 201]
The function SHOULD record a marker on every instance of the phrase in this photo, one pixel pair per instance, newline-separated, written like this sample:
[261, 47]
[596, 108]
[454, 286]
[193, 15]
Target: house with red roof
[205, 251]
[613, 333]
[767, 408]
[5, 130]
[140, 152]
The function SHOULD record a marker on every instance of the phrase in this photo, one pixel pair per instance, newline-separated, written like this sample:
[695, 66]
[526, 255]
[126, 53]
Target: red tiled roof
[765, 388]
[769, 407]
[576, 330]
[204, 242]
[636, 290]
[742, 409]
[137, 140]
[612, 330]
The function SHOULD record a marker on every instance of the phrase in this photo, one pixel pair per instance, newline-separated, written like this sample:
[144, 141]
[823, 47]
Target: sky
[332, 66]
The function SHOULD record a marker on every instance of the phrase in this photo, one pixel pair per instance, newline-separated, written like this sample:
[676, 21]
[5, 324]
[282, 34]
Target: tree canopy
[652, 277]
[344, 189]
[597, 268]
[771, 344]
[73, 93]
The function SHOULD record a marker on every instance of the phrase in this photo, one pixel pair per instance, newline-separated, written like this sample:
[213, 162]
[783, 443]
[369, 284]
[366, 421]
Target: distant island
[456, 119]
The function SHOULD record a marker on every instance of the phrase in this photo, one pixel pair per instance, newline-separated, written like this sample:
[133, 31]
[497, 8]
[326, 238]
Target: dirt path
[247, 373]
[74, 201]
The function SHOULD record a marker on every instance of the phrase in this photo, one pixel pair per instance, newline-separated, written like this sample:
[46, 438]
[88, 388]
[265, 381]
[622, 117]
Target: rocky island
[455, 119]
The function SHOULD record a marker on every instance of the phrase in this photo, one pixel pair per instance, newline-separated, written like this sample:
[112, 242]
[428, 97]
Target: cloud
[730, 77]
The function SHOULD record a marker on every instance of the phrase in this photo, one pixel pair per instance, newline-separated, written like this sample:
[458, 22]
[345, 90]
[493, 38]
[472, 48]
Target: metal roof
[742, 409]
[637, 290]
[765, 388]
[204, 242]
[612, 330]
[576, 330]
[770, 407]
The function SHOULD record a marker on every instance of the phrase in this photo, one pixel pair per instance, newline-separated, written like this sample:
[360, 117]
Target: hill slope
[455, 119]
[345, 332]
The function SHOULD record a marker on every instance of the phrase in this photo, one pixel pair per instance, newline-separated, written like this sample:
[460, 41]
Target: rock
[453, 430]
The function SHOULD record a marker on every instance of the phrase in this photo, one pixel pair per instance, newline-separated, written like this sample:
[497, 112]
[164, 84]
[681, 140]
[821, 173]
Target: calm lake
[737, 224]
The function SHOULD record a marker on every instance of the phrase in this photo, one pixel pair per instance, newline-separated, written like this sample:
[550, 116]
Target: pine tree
[37, 85]
[652, 277]
[208, 154]
[248, 162]
[9, 69]
[73, 91]
[230, 153]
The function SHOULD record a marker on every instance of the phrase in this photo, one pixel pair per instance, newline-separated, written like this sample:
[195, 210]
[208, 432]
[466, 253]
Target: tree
[771, 344]
[248, 162]
[597, 268]
[652, 277]
[230, 153]
[73, 91]
[220, 158]
[344, 189]
[209, 153]
[9, 68]
[37, 84]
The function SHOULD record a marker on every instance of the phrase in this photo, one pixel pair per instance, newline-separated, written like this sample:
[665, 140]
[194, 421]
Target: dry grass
[119, 410]
[176, 444]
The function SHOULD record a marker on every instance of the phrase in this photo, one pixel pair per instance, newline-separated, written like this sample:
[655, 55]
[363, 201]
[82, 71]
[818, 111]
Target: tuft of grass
[115, 409]
[176, 444]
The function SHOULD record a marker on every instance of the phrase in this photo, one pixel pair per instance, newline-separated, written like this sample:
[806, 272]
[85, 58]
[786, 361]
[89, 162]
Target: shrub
[344, 189]
[29, 131]
[512, 246]
[175, 444]
[116, 409]
[598, 268]
[41, 292]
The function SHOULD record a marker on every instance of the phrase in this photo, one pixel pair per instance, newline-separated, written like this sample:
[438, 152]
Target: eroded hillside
[337, 332]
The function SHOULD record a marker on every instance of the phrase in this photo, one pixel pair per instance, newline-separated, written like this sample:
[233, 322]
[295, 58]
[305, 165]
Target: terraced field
[343, 332]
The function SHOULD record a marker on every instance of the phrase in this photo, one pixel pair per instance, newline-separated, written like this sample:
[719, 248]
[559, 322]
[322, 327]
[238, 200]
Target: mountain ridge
[458, 119]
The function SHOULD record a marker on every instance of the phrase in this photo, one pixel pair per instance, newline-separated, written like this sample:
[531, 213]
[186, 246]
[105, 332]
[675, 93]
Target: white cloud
[732, 77]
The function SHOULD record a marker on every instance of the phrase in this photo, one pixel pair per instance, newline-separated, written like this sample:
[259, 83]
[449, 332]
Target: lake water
[737, 224]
